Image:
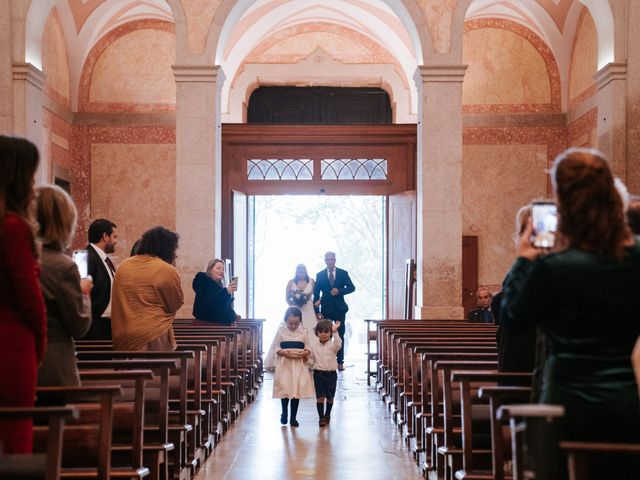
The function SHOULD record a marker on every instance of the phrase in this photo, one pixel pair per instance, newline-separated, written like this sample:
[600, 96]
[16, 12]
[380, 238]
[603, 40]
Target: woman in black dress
[214, 301]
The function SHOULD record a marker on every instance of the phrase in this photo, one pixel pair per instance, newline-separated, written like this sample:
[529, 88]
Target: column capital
[198, 73]
[610, 72]
[440, 73]
[29, 73]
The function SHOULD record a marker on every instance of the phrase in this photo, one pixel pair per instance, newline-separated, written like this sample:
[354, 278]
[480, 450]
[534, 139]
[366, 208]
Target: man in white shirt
[103, 237]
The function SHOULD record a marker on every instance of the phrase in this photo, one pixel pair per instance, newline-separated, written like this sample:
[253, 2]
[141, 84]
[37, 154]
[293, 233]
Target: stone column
[611, 81]
[439, 195]
[197, 170]
[633, 96]
[28, 85]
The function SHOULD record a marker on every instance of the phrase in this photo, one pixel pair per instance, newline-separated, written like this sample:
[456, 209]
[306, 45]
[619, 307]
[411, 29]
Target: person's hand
[319, 316]
[335, 326]
[232, 287]
[316, 303]
[334, 291]
[525, 248]
[305, 355]
[86, 284]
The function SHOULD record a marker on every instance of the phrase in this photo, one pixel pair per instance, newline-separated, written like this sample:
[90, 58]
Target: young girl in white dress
[299, 293]
[291, 380]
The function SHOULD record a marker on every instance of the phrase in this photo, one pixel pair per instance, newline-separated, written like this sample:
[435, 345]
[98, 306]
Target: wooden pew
[46, 465]
[86, 440]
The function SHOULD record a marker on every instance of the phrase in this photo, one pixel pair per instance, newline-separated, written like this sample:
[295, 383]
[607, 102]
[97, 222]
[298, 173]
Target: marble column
[28, 85]
[197, 170]
[439, 196]
[611, 82]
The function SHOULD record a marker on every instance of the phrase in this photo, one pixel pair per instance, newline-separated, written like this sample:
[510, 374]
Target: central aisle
[361, 443]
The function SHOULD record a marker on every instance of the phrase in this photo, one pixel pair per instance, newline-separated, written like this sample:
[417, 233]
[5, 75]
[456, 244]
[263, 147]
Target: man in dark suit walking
[102, 240]
[332, 284]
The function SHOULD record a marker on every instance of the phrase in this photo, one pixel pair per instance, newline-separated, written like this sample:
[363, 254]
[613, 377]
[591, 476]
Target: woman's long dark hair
[18, 164]
[159, 242]
[591, 217]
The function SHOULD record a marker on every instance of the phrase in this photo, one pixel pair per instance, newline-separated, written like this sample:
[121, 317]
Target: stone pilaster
[198, 168]
[439, 195]
[611, 81]
[28, 85]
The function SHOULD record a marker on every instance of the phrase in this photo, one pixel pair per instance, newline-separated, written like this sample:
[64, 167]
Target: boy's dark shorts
[325, 383]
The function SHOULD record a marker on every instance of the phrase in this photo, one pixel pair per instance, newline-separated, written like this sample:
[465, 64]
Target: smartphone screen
[81, 257]
[544, 217]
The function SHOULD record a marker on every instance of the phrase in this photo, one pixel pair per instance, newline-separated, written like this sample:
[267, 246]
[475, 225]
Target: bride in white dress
[299, 294]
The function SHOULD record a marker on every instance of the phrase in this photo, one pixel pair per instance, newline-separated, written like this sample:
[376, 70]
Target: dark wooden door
[469, 272]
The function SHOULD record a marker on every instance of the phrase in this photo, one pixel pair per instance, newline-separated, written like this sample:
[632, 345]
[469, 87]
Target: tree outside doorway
[293, 229]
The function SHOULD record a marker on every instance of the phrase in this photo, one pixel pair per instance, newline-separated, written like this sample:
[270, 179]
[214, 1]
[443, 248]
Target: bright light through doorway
[293, 229]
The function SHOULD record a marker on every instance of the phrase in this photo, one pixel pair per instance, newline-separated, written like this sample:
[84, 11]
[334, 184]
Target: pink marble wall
[496, 181]
[502, 169]
[584, 60]
[128, 177]
[129, 70]
[54, 61]
[583, 132]
[511, 69]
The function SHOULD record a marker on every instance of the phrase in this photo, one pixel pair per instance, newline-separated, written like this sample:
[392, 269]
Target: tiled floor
[361, 443]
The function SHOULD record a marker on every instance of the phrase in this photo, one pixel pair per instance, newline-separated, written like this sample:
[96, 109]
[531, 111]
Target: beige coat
[146, 296]
[68, 317]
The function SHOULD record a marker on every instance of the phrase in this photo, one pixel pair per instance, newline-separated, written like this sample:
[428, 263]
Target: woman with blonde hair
[585, 299]
[22, 317]
[66, 295]
[214, 301]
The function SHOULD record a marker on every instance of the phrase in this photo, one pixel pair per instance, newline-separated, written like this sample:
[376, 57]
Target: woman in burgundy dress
[22, 314]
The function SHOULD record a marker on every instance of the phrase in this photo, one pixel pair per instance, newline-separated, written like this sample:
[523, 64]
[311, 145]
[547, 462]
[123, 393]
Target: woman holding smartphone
[214, 301]
[66, 295]
[585, 298]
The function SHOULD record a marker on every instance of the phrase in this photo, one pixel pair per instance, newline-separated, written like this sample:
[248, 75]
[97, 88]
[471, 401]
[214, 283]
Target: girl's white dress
[309, 320]
[292, 378]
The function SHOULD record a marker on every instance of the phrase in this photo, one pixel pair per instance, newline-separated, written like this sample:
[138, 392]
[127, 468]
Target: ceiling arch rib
[255, 26]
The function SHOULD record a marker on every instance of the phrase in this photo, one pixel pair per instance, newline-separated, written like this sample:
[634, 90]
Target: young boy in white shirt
[325, 365]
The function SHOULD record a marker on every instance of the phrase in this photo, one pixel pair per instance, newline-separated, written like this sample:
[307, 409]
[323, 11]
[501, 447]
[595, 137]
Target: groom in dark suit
[332, 284]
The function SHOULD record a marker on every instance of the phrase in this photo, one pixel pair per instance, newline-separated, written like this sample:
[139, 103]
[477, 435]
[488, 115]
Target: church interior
[143, 111]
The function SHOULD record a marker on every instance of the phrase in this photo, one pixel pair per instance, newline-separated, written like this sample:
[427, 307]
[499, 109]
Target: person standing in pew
[147, 293]
[214, 301]
[584, 297]
[291, 380]
[23, 322]
[66, 294]
[103, 238]
[516, 351]
[482, 314]
[332, 284]
[325, 377]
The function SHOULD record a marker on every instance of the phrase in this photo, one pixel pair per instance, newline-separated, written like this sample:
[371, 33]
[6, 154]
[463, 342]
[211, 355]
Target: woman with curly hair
[147, 293]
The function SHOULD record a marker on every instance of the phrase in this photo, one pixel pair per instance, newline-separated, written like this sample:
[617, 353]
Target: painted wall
[55, 63]
[134, 71]
[584, 60]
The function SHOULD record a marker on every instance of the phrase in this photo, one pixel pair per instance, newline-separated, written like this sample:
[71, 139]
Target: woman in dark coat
[214, 302]
[585, 299]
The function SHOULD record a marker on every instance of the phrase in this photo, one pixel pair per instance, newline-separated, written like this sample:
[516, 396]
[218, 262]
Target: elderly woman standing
[585, 300]
[66, 295]
[147, 294]
[214, 301]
